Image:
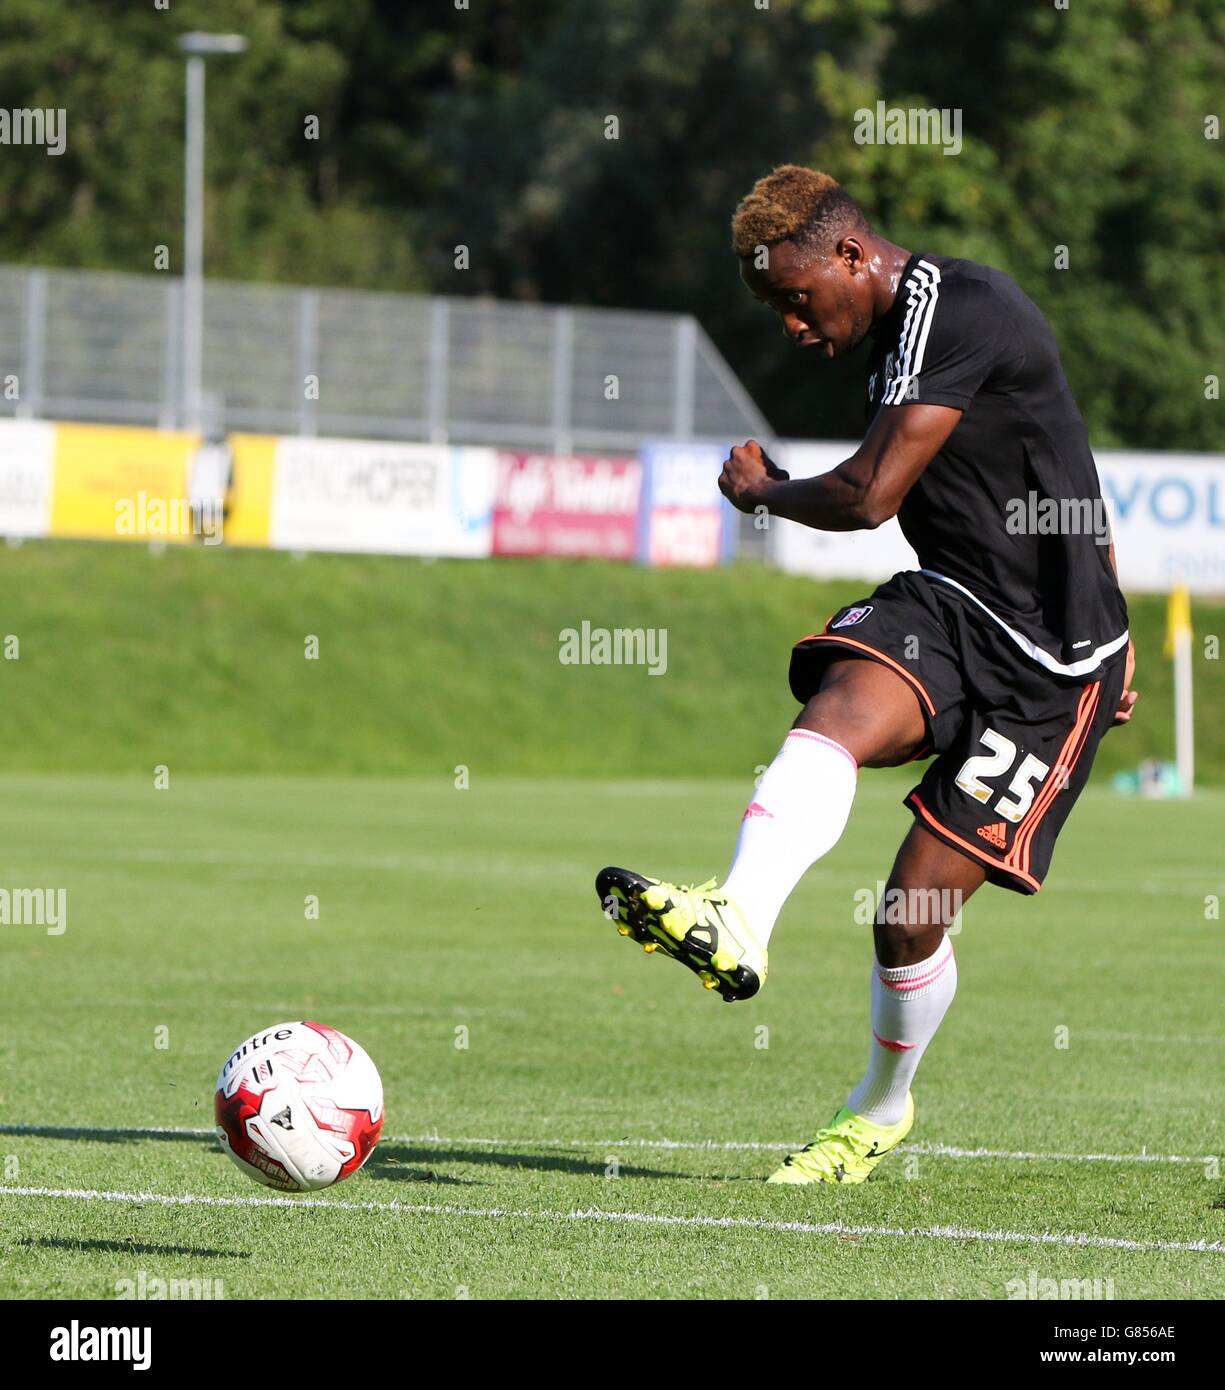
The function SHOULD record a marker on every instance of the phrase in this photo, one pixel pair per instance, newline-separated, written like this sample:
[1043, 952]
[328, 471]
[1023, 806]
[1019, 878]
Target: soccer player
[1006, 655]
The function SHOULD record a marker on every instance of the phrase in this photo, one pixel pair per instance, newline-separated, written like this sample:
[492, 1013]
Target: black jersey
[1009, 511]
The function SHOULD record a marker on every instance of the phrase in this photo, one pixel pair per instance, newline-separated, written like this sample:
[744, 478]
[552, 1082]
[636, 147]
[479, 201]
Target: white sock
[797, 814]
[908, 1003]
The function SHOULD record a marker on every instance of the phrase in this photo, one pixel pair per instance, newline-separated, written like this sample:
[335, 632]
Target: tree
[1084, 129]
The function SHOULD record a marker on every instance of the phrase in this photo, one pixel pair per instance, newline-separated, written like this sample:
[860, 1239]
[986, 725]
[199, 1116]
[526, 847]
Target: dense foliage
[1086, 126]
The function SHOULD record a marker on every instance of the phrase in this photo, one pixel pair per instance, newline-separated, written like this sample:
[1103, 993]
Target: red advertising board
[583, 504]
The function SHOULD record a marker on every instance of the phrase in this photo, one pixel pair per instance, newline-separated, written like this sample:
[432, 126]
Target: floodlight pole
[193, 248]
[196, 46]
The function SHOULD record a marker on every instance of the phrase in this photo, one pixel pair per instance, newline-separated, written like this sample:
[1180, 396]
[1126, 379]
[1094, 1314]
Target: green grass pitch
[605, 1130]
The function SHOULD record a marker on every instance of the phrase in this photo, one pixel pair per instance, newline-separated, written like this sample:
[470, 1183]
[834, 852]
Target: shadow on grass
[397, 1162]
[388, 1157]
[89, 1135]
[132, 1247]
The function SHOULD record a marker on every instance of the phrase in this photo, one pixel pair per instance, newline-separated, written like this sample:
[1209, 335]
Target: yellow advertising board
[249, 504]
[116, 483]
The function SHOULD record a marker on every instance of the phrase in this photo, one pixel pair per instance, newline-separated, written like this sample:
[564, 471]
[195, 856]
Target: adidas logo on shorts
[994, 834]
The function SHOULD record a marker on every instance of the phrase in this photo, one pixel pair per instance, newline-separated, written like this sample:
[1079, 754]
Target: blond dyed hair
[793, 203]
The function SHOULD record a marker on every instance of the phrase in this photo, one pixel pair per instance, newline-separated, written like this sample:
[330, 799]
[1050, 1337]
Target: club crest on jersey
[882, 379]
[853, 616]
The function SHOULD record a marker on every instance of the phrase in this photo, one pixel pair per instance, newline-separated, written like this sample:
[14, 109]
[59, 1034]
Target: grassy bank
[197, 659]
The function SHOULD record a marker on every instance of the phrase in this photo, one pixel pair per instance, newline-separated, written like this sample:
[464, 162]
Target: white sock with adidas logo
[797, 814]
[908, 1004]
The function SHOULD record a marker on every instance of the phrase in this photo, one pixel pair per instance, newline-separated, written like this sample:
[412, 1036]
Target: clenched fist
[747, 475]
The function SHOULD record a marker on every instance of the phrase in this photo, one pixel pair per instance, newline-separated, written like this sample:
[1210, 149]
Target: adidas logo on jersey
[994, 834]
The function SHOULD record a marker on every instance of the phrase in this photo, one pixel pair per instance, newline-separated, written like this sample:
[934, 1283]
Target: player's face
[824, 302]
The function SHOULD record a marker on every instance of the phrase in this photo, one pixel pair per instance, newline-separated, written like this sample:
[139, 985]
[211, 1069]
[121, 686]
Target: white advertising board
[872, 555]
[1167, 518]
[400, 499]
[27, 470]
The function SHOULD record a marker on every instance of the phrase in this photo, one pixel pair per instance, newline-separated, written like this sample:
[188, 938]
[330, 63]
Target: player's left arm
[1129, 696]
[863, 491]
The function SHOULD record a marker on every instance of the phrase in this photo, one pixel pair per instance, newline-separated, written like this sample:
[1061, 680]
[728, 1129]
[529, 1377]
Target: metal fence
[81, 345]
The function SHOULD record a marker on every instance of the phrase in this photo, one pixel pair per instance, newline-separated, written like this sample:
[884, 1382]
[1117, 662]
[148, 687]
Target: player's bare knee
[830, 713]
[835, 714]
[866, 709]
[905, 942]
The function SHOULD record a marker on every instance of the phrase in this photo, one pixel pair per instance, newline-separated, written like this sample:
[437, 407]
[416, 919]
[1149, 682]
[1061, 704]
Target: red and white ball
[299, 1106]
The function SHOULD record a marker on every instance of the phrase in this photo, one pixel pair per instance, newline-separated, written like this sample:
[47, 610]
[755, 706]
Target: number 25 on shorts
[1030, 775]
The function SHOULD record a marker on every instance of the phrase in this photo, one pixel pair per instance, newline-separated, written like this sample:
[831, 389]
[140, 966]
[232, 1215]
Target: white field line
[928, 1147]
[1191, 1040]
[596, 1215]
[270, 863]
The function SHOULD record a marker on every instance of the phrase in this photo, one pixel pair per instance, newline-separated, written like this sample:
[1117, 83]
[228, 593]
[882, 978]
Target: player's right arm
[863, 491]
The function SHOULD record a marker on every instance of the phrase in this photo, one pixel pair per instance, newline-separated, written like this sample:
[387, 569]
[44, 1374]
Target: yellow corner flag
[1178, 618]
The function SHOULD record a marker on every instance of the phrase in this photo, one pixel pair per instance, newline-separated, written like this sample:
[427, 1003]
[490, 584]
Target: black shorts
[1013, 742]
